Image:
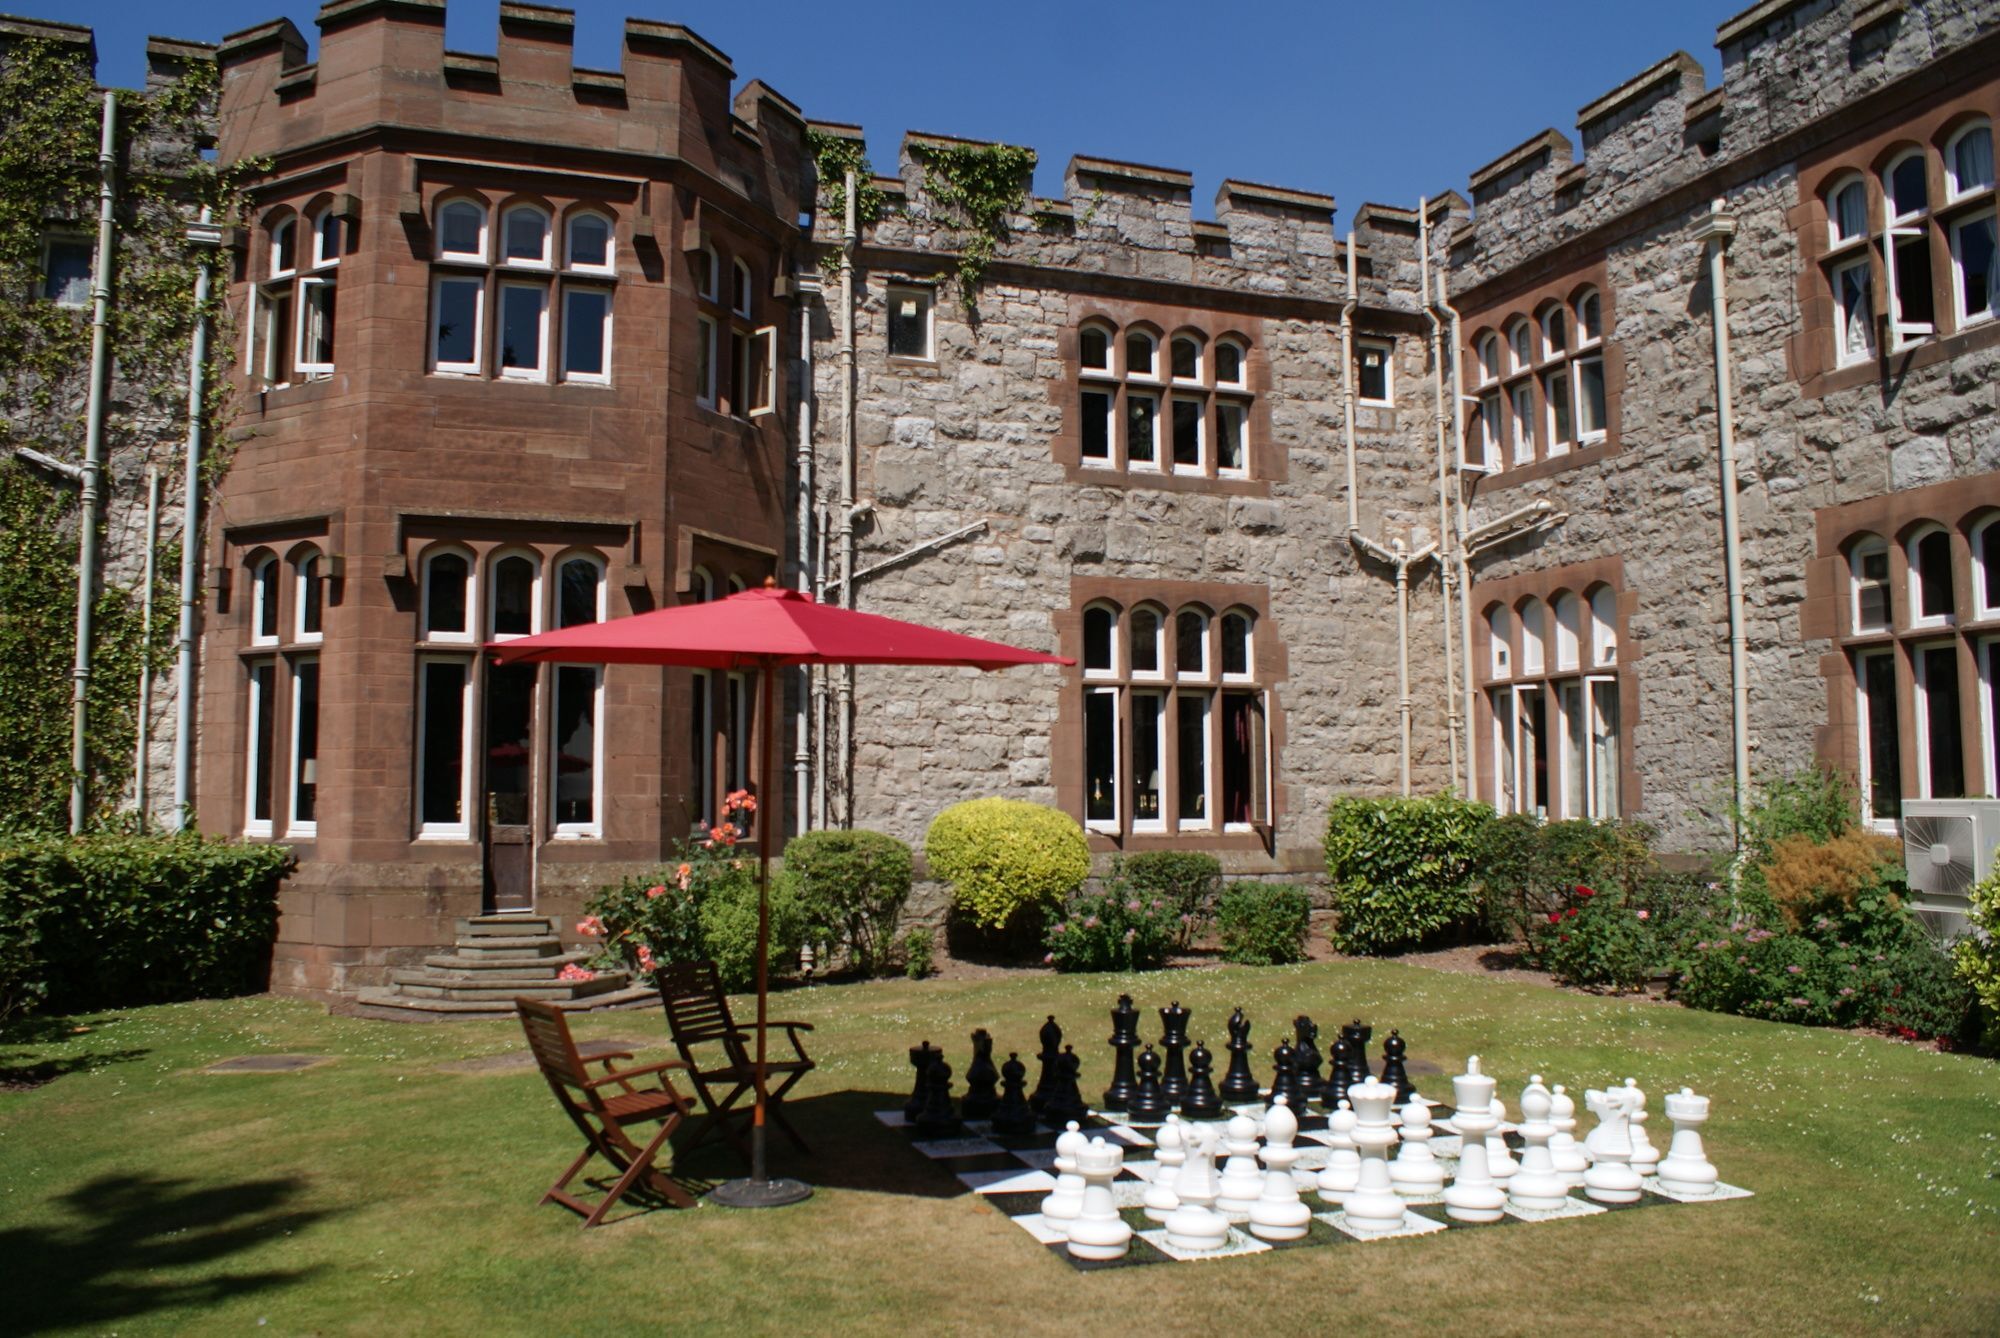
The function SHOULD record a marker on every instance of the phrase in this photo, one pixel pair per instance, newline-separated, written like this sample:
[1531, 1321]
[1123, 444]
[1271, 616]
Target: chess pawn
[1537, 1186]
[1416, 1172]
[1174, 1042]
[1239, 1084]
[1065, 1101]
[1564, 1150]
[921, 1058]
[1051, 1059]
[1124, 1040]
[1500, 1163]
[1374, 1205]
[1170, 1153]
[1342, 1171]
[1472, 1196]
[1013, 1115]
[1241, 1181]
[1201, 1101]
[1611, 1178]
[1065, 1201]
[1148, 1104]
[1097, 1231]
[1393, 1071]
[1686, 1168]
[1335, 1090]
[1278, 1213]
[1645, 1157]
[980, 1076]
[1195, 1225]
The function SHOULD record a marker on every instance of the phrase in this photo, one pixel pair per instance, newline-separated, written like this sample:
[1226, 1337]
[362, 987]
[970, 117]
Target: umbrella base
[760, 1193]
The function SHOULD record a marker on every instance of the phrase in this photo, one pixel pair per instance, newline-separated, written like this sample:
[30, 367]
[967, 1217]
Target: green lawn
[392, 1190]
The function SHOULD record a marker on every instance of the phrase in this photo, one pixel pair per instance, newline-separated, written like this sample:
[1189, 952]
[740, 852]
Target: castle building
[1661, 456]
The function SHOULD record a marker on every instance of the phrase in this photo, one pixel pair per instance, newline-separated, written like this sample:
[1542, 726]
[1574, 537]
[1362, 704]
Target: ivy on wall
[834, 156]
[982, 185]
[52, 109]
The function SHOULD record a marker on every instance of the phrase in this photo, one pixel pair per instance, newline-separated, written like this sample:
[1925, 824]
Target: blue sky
[1367, 102]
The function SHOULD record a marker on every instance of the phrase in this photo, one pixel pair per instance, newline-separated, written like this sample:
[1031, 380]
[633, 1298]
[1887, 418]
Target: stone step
[504, 926]
[427, 985]
[389, 1005]
[547, 945]
[483, 966]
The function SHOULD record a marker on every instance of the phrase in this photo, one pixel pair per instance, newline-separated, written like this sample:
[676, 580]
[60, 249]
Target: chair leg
[724, 1118]
[776, 1107]
[558, 1191]
[641, 1164]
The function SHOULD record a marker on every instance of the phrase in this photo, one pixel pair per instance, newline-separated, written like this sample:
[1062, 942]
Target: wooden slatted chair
[698, 1014]
[602, 1107]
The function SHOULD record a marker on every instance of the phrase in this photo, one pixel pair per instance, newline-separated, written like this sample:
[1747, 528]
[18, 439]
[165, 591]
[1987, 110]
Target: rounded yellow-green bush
[1001, 855]
[1978, 953]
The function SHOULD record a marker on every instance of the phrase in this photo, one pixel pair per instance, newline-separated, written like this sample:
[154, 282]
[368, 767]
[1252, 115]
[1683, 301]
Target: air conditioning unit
[1948, 845]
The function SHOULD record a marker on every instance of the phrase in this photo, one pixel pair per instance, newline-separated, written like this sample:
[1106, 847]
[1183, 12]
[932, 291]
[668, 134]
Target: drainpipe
[145, 720]
[844, 515]
[1347, 388]
[809, 288]
[205, 236]
[1714, 233]
[1404, 560]
[93, 462]
[1459, 567]
[1445, 581]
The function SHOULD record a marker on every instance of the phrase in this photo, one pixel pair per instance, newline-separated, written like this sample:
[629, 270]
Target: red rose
[1562, 938]
[1571, 912]
[1585, 892]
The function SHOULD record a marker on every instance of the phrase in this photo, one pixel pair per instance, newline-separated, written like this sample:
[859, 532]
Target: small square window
[1371, 370]
[909, 323]
[66, 272]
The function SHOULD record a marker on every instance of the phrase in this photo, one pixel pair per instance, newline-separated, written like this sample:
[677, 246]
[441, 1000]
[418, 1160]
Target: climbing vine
[982, 184]
[834, 156]
[52, 109]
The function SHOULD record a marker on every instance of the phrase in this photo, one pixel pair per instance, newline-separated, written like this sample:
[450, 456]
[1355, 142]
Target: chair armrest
[607, 1056]
[620, 1075]
[789, 1026]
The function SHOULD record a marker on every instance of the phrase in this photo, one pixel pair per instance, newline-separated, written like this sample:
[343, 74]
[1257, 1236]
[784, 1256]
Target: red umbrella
[767, 630]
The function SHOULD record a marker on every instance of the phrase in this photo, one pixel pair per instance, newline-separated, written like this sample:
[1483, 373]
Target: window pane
[1242, 730]
[509, 734]
[1524, 422]
[577, 593]
[1576, 735]
[1934, 574]
[1187, 359]
[1142, 429]
[1913, 281]
[1940, 699]
[1908, 193]
[909, 323]
[1094, 349]
[1605, 746]
[1148, 719]
[1145, 641]
[1187, 433]
[1557, 389]
[1533, 710]
[1590, 394]
[1857, 315]
[527, 235]
[1095, 442]
[1850, 211]
[278, 334]
[263, 740]
[305, 740]
[318, 339]
[1505, 796]
[458, 320]
[1097, 624]
[458, 229]
[442, 784]
[1989, 563]
[1100, 756]
[1235, 644]
[521, 326]
[66, 281]
[267, 599]
[312, 597]
[1372, 362]
[704, 360]
[576, 744]
[1229, 452]
[1191, 799]
[1190, 643]
[1556, 330]
[513, 596]
[1139, 355]
[585, 316]
[1972, 253]
[1228, 364]
[589, 241]
[1885, 748]
[1589, 315]
[444, 595]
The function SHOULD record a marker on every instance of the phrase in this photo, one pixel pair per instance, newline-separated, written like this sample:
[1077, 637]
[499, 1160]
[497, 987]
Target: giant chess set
[1356, 1153]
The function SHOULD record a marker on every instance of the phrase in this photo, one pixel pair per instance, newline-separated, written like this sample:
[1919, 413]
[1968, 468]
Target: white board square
[1239, 1243]
[1024, 1181]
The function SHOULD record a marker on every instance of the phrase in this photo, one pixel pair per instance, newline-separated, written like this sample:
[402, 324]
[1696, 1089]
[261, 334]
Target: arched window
[1986, 567]
[1489, 358]
[1931, 589]
[1191, 643]
[1100, 640]
[310, 594]
[1868, 585]
[1555, 332]
[579, 595]
[1847, 210]
[708, 274]
[743, 290]
[1848, 270]
[1500, 639]
[1907, 248]
[1186, 358]
[461, 230]
[513, 603]
[1569, 631]
[1520, 346]
[1229, 362]
[1093, 349]
[326, 239]
[284, 246]
[1589, 318]
[1237, 626]
[1148, 630]
[525, 236]
[1534, 628]
[264, 597]
[447, 595]
[1141, 354]
[1603, 626]
[588, 243]
[1968, 160]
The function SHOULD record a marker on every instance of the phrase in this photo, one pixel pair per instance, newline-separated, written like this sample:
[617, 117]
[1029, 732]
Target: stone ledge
[1679, 66]
[1234, 192]
[1731, 30]
[1552, 142]
[1115, 170]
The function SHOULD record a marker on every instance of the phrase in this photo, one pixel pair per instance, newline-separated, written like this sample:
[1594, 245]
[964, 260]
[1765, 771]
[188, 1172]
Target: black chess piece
[1149, 1100]
[1013, 1115]
[1174, 1040]
[1305, 1062]
[1285, 1076]
[980, 1076]
[1335, 1091]
[1393, 1071]
[1239, 1084]
[1051, 1054]
[1201, 1101]
[937, 1119]
[1124, 1040]
[1357, 1033]
[921, 1058]
[1065, 1103]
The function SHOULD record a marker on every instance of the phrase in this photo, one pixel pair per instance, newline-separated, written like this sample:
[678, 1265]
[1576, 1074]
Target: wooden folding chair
[602, 1115]
[698, 1014]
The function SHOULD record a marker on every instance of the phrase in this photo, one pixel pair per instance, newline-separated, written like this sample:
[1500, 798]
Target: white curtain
[1972, 160]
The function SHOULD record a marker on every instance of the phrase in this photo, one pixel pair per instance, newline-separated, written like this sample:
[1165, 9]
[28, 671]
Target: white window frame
[1172, 462]
[742, 288]
[1204, 672]
[260, 593]
[1158, 822]
[1865, 547]
[1115, 696]
[1110, 670]
[1242, 378]
[1863, 733]
[1109, 390]
[1160, 672]
[1955, 189]
[1506, 767]
[562, 560]
[326, 227]
[764, 395]
[594, 829]
[1157, 464]
[1533, 615]
[1387, 348]
[537, 593]
[1249, 671]
[1083, 369]
[1987, 659]
[477, 363]
[570, 324]
[1848, 350]
[1545, 325]
[1594, 435]
[540, 370]
[542, 259]
[1524, 763]
[1594, 732]
[60, 238]
[485, 240]
[1152, 375]
[609, 265]
[1915, 577]
[1976, 543]
[1589, 334]
[1569, 622]
[1242, 409]
[1959, 226]
[468, 727]
[1836, 239]
[1520, 346]
[305, 314]
[314, 558]
[1206, 822]
[1486, 352]
[1915, 224]
[470, 632]
[1500, 642]
[1560, 443]
[252, 775]
[1200, 359]
[708, 281]
[293, 826]
[1921, 714]
[1603, 627]
[1492, 452]
[1523, 446]
[705, 336]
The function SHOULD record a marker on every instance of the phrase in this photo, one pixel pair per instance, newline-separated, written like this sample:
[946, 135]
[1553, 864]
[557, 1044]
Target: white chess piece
[1645, 1157]
[1500, 1163]
[1373, 1205]
[1195, 1225]
[1564, 1150]
[1170, 1154]
[1537, 1186]
[1416, 1172]
[1241, 1181]
[1062, 1205]
[1097, 1231]
[1342, 1171]
[1686, 1168]
[1611, 1178]
[1278, 1213]
[1472, 1195]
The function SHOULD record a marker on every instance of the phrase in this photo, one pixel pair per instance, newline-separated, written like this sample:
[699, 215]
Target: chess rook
[1686, 1168]
[921, 1058]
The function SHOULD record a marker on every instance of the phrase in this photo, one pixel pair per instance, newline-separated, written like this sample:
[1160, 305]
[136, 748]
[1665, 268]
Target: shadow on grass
[851, 1149]
[25, 1069]
[132, 1244]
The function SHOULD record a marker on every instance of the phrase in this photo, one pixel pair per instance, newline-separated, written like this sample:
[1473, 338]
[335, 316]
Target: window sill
[1547, 465]
[1888, 370]
[914, 363]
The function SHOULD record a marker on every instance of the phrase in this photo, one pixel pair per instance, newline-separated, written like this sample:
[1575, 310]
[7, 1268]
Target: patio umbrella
[765, 630]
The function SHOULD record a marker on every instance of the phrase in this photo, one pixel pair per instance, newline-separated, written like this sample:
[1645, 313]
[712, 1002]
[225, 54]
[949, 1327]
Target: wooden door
[507, 784]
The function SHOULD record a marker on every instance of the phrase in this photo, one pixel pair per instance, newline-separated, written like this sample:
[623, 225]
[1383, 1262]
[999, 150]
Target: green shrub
[729, 926]
[1117, 929]
[1599, 939]
[850, 886]
[1264, 924]
[1002, 856]
[1188, 880]
[917, 949]
[1401, 870]
[1977, 955]
[119, 918]
[1528, 867]
[1814, 801]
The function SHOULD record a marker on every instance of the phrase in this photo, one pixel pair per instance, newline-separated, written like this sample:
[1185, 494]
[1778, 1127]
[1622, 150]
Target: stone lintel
[1055, 208]
[1234, 192]
[1551, 143]
[680, 37]
[49, 30]
[1445, 204]
[178, 48]
[1571, 177]
[930, 139]
[892, 186]
[1679, 67]
[1733, 29]
[1114, 170]
[305, 76]
[557, 24]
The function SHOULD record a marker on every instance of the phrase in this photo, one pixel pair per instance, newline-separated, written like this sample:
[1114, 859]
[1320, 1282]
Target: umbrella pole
[760, 1191]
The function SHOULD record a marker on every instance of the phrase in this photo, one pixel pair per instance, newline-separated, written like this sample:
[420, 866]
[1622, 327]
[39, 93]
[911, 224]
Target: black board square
[1015, 1205]
[1139, 1254]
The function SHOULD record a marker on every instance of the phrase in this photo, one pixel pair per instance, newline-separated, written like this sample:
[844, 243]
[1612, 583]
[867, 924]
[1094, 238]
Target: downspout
[1460, 567]
[144, 741]
[819, 776]
[1714, 233]
[1347, 388]
[1445, 581]
[809, 288]
[93, 463]
[205, 237]
[844, 516]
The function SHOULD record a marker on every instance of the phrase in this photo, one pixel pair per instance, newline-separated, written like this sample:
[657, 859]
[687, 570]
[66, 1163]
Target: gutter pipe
[809, 288]
[205, 236]
[1446, 577]
[844, 515]
[143, 744]
[93, 463]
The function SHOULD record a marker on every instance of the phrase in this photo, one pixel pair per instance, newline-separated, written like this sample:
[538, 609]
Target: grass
[392, 1189]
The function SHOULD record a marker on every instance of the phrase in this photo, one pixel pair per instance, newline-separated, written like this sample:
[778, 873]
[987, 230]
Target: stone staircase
[497, 959]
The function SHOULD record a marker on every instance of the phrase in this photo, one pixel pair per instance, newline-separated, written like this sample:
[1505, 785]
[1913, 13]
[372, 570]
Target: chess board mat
[1014, 1173]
